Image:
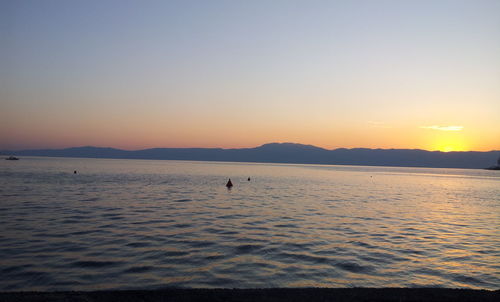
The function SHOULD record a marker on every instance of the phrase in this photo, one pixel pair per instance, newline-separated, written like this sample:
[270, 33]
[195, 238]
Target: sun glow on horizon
[173, 74]
[450, 144]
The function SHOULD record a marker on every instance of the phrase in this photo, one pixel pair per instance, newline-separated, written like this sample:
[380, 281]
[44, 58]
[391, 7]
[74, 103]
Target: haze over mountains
[287, 153]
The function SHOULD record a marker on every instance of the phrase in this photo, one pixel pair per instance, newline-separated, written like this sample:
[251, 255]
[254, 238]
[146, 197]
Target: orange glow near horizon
[449, 145]
[193, 135]
[335, 75]
[137, 128]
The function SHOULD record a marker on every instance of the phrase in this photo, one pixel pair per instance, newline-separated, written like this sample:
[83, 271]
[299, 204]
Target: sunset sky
[142, 74]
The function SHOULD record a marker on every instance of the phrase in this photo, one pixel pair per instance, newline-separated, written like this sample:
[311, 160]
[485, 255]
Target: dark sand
[274, 294]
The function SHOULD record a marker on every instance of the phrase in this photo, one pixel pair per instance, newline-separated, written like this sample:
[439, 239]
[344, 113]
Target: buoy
[229, 183]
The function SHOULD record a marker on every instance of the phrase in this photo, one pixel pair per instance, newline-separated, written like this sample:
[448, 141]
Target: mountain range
[286, 153]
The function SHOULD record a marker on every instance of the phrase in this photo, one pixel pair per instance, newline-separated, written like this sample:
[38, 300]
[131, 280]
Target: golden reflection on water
[163, 223]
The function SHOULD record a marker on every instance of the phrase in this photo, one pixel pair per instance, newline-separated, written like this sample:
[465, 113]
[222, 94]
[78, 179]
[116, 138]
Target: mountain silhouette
[286, 153]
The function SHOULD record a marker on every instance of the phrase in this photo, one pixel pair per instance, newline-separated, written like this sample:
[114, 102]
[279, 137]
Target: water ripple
[150, 224]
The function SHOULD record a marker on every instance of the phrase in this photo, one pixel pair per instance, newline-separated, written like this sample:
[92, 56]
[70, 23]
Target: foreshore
[271, 294]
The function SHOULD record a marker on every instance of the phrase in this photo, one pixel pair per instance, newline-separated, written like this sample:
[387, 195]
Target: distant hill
[287, 153]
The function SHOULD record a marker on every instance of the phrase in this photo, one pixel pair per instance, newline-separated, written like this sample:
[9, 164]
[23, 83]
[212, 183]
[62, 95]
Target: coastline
[285, 153]
[267, 294]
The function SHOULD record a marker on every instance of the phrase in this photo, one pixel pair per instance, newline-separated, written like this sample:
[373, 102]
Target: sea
[151, 224]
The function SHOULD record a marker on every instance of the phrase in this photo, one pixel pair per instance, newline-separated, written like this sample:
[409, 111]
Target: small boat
[229, 183]
[12, 158]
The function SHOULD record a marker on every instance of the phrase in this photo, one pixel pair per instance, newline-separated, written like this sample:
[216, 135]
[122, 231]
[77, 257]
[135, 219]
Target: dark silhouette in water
[74, 172]
[249, 179]
[12, 158]
[497, 167]
[229, 184]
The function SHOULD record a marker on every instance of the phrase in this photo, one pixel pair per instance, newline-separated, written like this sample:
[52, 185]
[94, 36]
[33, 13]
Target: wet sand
[274, 294]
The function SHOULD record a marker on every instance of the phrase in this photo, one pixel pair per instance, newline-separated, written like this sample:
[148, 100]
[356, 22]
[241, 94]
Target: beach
[272, 294]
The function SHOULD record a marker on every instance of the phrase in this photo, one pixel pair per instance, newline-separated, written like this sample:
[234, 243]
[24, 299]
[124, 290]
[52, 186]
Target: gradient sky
[141, 74]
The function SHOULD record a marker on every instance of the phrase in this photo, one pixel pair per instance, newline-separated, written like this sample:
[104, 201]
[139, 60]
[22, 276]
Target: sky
[231, 74]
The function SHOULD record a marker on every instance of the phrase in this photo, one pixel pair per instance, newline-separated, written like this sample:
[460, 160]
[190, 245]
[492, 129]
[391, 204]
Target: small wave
[247, 248]
[466, 279]
[385, 257]
[139, 244]
[363, 244]
[89, 264]
[70, 221]
[182, 200]
[42, 234]
[219, 231]
[84, 232]
[228, 282]
[90, 199]
[301, 257]
[232, 216]
[73, 249]
[298, 246]
[35, 276]
[77, 217]
[175, 253]
[376, 260]
[288, 225]
[378, 235]
[487, 251]
[458, 259]
[138, 269]
[199, 244]
[214, 257]
[428, 271]
[182, 225]
[12, 269]
[354, 267]
[110, 215]
[153, 221]
[410, 251]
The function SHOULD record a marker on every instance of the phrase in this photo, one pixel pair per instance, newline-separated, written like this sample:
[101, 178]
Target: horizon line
[238, 148]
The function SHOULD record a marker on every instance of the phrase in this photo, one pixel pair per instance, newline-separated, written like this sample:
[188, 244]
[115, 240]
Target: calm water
[121, 224]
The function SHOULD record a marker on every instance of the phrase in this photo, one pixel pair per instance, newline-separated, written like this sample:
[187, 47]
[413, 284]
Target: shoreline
[262, 294]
